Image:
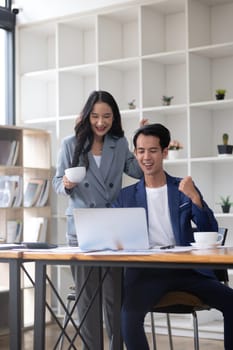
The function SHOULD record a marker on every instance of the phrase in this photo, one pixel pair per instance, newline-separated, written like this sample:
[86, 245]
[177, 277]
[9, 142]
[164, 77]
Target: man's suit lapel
[173, 203]
[140, 195]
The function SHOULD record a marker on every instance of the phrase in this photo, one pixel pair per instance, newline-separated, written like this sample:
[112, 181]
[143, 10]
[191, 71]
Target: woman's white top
[97, 160]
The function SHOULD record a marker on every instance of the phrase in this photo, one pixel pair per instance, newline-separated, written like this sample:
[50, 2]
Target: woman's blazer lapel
[109, 149]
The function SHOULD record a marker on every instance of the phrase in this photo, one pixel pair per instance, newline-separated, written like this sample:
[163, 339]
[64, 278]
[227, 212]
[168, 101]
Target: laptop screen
[111, 228]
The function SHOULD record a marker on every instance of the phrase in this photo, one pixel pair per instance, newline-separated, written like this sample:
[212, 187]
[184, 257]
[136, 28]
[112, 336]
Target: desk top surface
[217, 256]
[205, 256]
[10, 254]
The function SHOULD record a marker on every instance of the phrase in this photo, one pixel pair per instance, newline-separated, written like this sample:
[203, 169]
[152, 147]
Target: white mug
[207, 238]
[76, 174]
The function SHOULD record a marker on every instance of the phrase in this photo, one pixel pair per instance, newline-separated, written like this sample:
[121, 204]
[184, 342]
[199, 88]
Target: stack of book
[9, 151]
[35, 229]
[11, 191]
[14, 231]
[36, 192]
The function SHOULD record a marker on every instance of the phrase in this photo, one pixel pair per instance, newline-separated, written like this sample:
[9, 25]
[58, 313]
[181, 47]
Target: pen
[168, 246]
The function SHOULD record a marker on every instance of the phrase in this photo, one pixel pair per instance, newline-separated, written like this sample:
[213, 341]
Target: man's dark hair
[157, 130]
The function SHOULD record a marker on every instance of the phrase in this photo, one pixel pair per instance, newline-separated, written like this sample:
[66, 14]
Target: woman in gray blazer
[99, 145]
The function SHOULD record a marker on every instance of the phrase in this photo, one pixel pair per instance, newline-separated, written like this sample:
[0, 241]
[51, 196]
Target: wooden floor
[180, 343]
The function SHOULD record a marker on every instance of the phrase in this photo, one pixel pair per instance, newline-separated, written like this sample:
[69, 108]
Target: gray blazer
[101, 186]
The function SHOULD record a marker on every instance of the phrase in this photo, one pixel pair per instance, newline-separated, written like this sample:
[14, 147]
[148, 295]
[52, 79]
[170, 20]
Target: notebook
[111, 228]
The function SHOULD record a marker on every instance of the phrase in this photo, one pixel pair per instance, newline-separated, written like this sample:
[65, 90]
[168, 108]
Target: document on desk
[151, 251]
[9, 246]
[156, 250]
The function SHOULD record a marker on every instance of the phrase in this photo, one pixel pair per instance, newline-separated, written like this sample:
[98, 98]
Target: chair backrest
[222, 275]
[223, 231]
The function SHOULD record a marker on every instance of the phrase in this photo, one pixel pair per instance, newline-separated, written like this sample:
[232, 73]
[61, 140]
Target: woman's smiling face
[101, 119]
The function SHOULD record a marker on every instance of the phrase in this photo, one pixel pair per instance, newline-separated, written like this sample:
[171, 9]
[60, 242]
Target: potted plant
[225, 148]
[173, 149]
[220, 94]
[131, 104]
[225, 204]
[167, 100]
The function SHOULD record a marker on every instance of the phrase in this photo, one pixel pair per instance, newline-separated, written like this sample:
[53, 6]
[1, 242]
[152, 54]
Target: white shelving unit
[141, 51]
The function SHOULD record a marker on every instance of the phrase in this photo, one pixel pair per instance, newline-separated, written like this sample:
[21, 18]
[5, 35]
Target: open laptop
[111, 228]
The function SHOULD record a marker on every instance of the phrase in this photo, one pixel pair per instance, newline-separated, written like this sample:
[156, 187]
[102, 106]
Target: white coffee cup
[76, 174]
[207, 238]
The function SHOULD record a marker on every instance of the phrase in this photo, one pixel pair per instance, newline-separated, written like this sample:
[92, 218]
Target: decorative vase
[225, 149]
[173, 154]
[166, 103]
[131, 106]
[226, 208]
[220, 96]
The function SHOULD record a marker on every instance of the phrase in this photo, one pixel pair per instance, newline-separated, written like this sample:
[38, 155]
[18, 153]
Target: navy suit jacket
[182, 210]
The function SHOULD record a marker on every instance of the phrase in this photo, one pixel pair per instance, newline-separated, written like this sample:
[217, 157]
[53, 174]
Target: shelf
[71, 82]
[209, 22]
[122, 79]
[33, 42]
[116, 31]
[83, 32]
[214, 105]
[214, 51]
[166, 20]
[39, 87]
[34, 161]
[160, 79]
[213, 73]
[224, 158]
[166, 110]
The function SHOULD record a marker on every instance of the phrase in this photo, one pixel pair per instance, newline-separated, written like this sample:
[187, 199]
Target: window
[3, 78]
[7, 63]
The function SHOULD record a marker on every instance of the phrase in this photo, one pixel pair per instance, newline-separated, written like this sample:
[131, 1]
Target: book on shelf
[18, 198]
[14, 158]
[14, 231]
[44, 194]
[5, 150]
[43, 230]
[10, 187]
[35, 229]
[33, 188]
[9, 151]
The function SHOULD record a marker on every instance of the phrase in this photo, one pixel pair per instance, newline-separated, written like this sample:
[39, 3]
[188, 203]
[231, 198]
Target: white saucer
[205, 246]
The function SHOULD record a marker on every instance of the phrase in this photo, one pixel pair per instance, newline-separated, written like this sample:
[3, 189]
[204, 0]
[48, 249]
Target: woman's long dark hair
[83, 132]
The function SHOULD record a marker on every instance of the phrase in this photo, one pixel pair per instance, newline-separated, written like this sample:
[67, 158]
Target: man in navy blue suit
[171, 204]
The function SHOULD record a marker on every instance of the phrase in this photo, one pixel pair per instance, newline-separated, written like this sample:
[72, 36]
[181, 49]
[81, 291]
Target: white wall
[45, 9]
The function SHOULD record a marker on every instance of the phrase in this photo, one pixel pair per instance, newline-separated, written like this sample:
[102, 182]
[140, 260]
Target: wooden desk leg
[15, 305]
[40, 300]
[117, 343]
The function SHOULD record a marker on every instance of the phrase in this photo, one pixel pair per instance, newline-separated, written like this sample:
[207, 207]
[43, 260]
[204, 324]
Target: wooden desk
[212, 258]
[13, 258]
